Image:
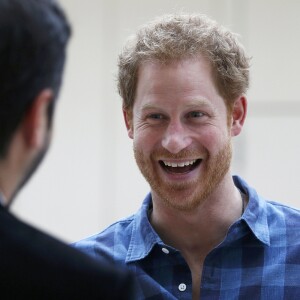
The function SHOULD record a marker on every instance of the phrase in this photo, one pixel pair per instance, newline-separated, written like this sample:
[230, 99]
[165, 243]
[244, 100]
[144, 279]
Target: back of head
[180, 36]
[33, 38]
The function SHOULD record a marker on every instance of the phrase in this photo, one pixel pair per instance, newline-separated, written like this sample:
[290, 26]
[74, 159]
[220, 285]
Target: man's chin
[178, 197]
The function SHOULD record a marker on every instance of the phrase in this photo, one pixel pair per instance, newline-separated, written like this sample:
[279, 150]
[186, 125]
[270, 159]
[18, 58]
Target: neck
[5, 189]
[2, 199]
[203, 228]
[9, 179]
[13, 167]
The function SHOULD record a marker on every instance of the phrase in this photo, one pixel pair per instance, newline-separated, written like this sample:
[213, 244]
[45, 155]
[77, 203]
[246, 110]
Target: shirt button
[165, 250]
[182, 287]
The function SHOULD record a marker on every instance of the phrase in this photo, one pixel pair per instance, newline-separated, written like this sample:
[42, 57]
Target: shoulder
[112, 242]
[28, 239]
[272, 221]
[260, 205]
[287, 214]
[36, 262]
[25, 244]
[283, 223]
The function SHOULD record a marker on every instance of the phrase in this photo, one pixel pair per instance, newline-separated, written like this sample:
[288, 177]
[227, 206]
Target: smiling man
[200, 232]
[183, 150]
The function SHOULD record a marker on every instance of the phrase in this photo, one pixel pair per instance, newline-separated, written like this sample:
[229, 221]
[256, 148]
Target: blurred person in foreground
[33, 265]
[200, 232]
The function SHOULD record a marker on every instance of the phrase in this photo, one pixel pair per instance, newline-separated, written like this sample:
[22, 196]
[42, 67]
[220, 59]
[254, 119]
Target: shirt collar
[255, 214]
[144, 238]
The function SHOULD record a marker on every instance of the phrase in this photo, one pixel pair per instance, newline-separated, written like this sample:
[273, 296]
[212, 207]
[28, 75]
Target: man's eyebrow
[193, 104]
[199, 103]
[149, 106]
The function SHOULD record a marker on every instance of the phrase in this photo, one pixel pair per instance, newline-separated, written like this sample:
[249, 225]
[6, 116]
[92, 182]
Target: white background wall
[89, 178]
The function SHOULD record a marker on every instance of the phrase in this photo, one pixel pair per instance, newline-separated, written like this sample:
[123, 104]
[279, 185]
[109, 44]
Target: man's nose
[176, 137]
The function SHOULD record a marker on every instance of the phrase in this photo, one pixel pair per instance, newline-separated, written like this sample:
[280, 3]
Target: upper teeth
[179, 164]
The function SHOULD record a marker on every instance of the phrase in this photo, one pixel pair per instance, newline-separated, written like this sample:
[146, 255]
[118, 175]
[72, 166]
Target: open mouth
[180, 167]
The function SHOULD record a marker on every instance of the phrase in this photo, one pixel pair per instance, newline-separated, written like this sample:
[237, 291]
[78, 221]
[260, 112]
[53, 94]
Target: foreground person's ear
[35, 122]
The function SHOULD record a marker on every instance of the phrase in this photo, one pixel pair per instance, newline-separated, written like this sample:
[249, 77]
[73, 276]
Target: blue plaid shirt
[258, 259]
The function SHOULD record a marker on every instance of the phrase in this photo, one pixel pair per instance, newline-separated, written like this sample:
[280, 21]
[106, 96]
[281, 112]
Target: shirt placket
[181, 286]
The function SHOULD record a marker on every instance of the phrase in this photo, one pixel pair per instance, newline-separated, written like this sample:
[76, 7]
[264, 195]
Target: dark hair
[33, 38]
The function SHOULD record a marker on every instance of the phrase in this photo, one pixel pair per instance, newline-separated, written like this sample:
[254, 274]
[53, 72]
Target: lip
[179, 163]
[179, 169]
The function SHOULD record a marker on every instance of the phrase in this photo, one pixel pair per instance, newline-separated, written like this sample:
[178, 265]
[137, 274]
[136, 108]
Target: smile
[180, 167]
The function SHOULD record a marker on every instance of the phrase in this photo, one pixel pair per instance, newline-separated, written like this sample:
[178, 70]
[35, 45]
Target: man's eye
[195, 114]
[156, 116]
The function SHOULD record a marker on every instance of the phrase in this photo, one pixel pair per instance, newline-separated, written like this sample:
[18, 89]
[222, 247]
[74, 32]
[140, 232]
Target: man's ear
[238, 115]
[128, 118]
[35, 122]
